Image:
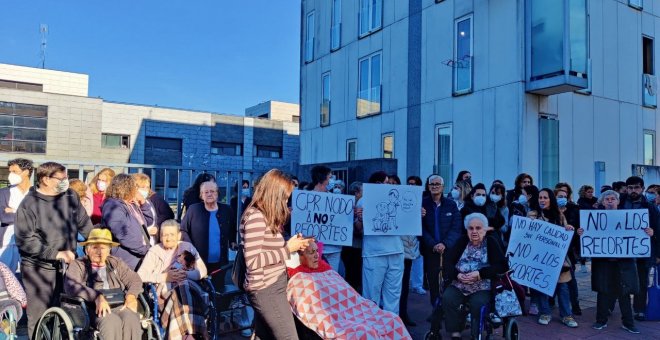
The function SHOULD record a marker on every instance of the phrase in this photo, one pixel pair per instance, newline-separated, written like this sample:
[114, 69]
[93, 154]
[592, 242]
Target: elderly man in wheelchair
[101, 297]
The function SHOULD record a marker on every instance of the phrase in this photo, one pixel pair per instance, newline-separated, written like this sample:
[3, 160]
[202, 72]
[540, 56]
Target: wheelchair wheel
[150, 330]
[511, 330]
[55, 324]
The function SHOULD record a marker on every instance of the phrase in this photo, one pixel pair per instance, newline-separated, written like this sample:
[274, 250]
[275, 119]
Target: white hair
[606, 194]
[478, 216]
[432, 177]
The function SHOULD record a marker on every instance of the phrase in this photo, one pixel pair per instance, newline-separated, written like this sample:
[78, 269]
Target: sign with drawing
[326, 217]
[392, 209]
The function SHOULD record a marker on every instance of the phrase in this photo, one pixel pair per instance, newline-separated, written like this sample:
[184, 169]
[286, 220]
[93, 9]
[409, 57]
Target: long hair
[122, 187]
[110, 174]
[270, 197]
[552, 213]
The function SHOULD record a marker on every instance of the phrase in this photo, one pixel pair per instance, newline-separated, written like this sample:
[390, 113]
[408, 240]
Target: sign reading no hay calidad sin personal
[326, 217]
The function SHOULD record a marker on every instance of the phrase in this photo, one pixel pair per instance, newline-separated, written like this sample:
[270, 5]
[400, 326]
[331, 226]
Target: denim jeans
[564, 297]
[542, 301]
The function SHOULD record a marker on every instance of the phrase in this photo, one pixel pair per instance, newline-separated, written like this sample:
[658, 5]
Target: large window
[444, 152]
[369, 91]
[309, 38]
[265, 151]
[639, 4]
[113, 141]
[388, 145]
[226, 149]
[549, 151]
[351, 149]
[463, 56]
[23, 127]
[335, 25]
[649, 80]
[371, 16]
[325, 99]
[649, 147]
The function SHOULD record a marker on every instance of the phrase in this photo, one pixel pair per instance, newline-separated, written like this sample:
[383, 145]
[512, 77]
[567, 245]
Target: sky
[211, 55]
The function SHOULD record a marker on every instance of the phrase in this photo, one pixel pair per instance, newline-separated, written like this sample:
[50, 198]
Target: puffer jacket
[410, 247]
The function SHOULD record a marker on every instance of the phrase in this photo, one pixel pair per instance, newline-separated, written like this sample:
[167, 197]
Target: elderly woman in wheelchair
[174, 266]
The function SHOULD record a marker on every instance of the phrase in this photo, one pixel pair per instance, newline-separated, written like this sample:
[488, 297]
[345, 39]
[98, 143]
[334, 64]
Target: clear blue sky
[215, 55]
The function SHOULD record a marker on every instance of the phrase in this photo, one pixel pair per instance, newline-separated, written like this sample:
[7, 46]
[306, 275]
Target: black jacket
[586, 203]
[497, 262]
[603, 269]
[163, 210]
[449, 221]
[48, 224]
[195, 229]
[627, 203]
[490, 210]
[233, 203]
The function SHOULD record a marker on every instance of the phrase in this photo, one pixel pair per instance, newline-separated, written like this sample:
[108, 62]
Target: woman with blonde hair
[159, 207]
[265, 253]
[83, 193]
[98, 185]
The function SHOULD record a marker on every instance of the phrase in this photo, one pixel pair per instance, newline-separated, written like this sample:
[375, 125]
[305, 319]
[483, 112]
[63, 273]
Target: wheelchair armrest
[74, 300]
[220, 271]
[146, 311]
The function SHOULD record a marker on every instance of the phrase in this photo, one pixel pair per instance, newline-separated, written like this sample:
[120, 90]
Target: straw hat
[100, 235]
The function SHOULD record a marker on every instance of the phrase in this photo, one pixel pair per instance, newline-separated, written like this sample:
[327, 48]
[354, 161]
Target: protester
[127, 214]
[45, 236]
[586, 198]
[295, 181]
[191, 195]
[20, 170]
[614, 279]
[95, 275]
[211, 227]
[244, 196]
[410, 253]
[459, 193]
[479, 202]
[80, 188]
[321, 176]
[470, 265]
[571, 213]
[522, 180]
[98, 186]
[620, 187]
[635, 200]
[265, 253]
[352, 256]
[496, 195]
[527, 201]
[161, 208]
[464, 176]
[417, 270]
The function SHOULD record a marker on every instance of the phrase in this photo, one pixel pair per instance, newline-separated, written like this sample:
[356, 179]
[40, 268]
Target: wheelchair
[232, 306]
[10, 312]
[71, 320]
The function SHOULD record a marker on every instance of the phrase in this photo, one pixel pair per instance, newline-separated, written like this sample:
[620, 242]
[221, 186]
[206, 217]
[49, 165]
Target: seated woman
[174, 283]
[12, 297]
[96, 276]
[470, 266]
[326, 304]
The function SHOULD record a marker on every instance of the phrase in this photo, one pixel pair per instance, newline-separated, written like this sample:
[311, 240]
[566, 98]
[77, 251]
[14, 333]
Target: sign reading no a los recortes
[615, 233]
[324, 216]
[537, 250]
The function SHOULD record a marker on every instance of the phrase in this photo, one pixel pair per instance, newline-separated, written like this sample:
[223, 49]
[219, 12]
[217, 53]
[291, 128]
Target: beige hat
[100, 235]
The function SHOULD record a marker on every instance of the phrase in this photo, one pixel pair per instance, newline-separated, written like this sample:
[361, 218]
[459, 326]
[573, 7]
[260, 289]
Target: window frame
[470, 89]
[335, 21]
[272, 148]
[543, 146]
[449, 126]
[236, 146]
[370, 83]
[371, 29]
[309, 36]
[323, 98]
[653, 148]
[348, 149]
[633, 4]
[383, 153]
[105, 135]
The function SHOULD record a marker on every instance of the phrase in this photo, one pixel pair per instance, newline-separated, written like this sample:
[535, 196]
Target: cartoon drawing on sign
[380, 221]
[392, 206]
[408, 201]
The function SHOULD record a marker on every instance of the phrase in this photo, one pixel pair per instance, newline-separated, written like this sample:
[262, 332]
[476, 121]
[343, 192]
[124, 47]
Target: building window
[265, 151]
[295, 119]
[639, 4]
[309, 38]
[325, 99]
[463, 56]
[369, 91]
[23, 127]
[335, 25]
[444, 154]
[10, 84]
[649, 147]
[226, 149]
[371, 16]
[549, 151]
[351, 149]
[649, 81]
[388, 145]
[113, 141]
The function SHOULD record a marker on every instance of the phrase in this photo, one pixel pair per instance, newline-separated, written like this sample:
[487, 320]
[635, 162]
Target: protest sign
[615, 233]
[324, 216]
[537, 250]
[392, 209]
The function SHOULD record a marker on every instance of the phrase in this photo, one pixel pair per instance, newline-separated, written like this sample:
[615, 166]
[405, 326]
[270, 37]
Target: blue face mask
[522, 199]
[562, 201]
[480, 200]
[650, 197]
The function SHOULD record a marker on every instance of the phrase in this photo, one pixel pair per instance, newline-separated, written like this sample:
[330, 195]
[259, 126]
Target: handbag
[506, 300]
[238, 271]
[114, 296]
[653, 305]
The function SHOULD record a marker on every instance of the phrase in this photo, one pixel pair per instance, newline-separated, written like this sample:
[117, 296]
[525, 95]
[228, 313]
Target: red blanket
[326, 304]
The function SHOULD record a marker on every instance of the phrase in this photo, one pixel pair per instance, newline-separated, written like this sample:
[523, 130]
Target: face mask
[522, 199]
[542, 205]
[62, 186]
[144, 193]
[101, 185]
[336, 191]
[245, 192]
[495, 198]
[455, 194]
[14, 179]
[468, 181]
[562, 201]
[480, 200]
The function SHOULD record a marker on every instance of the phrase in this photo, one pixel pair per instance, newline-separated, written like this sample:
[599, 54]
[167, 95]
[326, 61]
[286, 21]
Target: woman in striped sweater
[265, 253]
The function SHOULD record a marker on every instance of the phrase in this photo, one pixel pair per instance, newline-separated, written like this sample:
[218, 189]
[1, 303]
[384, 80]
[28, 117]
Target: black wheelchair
[232, 306]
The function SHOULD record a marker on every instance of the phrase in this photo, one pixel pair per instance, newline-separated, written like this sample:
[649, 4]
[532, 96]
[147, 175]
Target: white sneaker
[246, 333]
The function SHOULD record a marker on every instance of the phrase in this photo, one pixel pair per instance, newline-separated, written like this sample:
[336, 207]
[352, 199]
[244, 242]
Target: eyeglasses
[436, 184]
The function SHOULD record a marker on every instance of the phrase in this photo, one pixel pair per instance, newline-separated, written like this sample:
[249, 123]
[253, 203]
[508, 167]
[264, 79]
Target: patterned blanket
[326, 304]
[184, 310]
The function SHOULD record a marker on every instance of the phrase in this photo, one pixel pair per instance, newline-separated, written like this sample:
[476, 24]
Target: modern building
[47, 115]
[561, 89]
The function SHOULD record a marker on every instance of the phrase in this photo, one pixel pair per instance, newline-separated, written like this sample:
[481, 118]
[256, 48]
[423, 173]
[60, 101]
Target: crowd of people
[115, 233]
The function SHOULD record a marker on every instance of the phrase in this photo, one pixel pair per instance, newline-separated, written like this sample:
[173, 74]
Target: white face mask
[336, 191]
[495, 198]
[62, 186]
[455, 194]
[101, 185]
[144, 193]
[479, 200]
[14, 179]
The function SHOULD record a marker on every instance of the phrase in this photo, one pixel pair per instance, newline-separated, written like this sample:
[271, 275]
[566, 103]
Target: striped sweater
[265, 252]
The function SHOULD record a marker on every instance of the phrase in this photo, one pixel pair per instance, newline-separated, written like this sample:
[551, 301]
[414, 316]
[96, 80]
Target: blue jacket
[127, 230]
[5, 218]
[449, 222]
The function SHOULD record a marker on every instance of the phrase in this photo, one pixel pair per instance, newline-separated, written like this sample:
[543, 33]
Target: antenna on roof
[43, 29]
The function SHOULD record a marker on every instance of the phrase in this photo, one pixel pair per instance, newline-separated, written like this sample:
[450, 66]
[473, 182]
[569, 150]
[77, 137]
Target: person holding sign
[614, 278]
[321, 176]
[471, 264]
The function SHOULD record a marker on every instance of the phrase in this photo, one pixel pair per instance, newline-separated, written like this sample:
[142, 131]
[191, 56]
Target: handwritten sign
[392, 209]
[325, 216]
[537, 250]
[615, 233]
